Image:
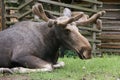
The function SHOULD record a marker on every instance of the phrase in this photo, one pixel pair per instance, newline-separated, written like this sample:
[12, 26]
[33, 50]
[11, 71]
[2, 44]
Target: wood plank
[93, 41]
[109, 37]
[89, 29]
[113, 3]
[111, 50]
[0, 11]
[25, 14]
[93, 2]
[110, 18]
[112, 10]
[11, 16]
[109, 40]
[11, 1]
[110, 46]
[25, 4]
[111, 29]
[110, 33]
[110, 5]
[68, 5]
[3, 14]
[0, 26]
[11, 8]
[112, 14]
[9, 23]
[112, 22]
[110, 25]
[85, 33]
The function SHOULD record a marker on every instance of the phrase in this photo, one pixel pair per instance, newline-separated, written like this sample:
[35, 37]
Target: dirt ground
[14, 77]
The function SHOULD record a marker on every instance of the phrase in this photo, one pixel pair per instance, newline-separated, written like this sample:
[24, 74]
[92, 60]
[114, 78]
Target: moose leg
[31, 64]
[59, 65]
[28, 70]
[6, 70]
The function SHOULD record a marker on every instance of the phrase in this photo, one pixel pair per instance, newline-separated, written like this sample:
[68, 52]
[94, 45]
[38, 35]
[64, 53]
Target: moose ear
[67, 12]
[51, 23]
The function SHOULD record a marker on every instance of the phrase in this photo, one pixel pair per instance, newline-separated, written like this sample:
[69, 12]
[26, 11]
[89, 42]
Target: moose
[30, 46]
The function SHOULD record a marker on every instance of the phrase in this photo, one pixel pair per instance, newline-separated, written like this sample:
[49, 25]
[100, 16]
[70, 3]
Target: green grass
[106, 68]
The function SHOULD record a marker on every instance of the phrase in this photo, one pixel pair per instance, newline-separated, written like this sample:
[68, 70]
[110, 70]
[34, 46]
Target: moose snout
[85, 52]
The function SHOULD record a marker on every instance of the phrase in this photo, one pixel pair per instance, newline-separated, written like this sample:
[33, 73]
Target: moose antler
[90, 20]
[39, 11]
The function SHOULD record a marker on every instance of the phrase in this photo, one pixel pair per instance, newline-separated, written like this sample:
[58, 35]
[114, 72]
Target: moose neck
[51, 43]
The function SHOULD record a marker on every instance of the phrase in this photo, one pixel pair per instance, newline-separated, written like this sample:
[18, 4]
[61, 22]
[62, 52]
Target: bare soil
[14, 77]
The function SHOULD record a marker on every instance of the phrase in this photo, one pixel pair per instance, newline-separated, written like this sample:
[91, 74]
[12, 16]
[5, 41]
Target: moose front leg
[59, 65]
[31, 64]
[46, 68]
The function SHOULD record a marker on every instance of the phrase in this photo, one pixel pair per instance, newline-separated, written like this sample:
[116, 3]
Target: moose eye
[67, 31]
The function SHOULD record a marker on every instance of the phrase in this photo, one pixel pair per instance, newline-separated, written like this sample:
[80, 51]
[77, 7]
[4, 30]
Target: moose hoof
[59, 65]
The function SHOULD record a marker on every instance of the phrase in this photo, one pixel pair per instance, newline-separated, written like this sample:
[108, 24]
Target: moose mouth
[80, 54]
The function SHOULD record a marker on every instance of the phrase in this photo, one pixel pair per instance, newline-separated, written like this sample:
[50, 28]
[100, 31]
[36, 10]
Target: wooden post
[0, 16]
[96, 52]
[94, 33]
[2, 6]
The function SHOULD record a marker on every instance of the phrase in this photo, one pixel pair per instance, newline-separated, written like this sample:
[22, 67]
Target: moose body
[32, 46]
[26, 39]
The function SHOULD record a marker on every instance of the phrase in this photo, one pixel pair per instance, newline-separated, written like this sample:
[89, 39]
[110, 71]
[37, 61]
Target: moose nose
[80, 54]
[85, 53]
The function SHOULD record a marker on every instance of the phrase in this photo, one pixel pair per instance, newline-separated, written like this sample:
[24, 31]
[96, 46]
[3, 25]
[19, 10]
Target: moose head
[67, 31]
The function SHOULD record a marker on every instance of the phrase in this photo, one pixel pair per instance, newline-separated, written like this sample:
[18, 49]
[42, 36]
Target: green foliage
[69, 53]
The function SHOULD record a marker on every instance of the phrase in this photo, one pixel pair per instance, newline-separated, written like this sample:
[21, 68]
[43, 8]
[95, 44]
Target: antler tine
[38, 10]
[77, 15]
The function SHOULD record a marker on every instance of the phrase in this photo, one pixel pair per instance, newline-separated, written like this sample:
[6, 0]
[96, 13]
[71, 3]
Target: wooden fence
[23, 11]
[110, 35]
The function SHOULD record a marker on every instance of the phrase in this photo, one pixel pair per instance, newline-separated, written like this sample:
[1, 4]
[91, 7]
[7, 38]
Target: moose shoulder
[33, 46]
